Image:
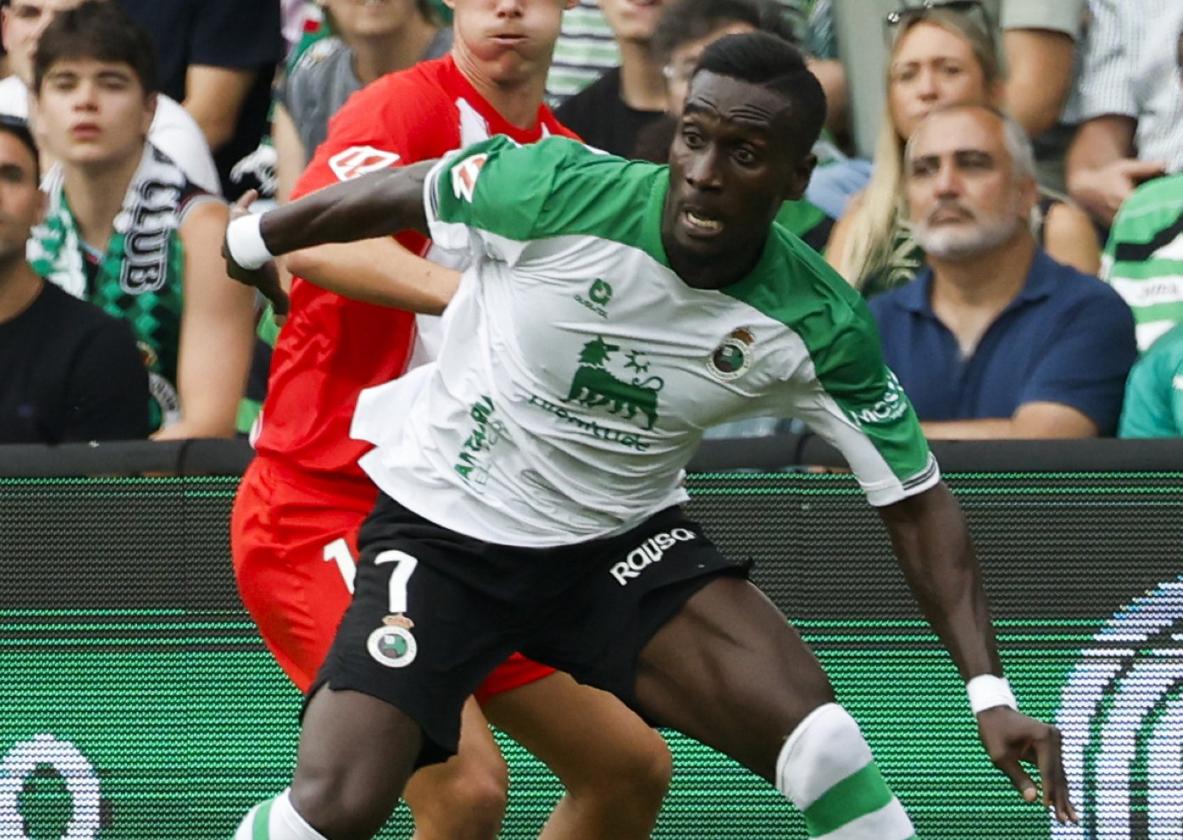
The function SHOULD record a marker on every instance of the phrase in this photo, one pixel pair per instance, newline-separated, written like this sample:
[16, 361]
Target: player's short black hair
[772, 63]
[18, 128]
[99, 30]
[684, 21]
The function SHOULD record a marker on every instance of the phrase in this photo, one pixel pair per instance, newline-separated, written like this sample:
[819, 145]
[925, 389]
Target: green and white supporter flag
[1143, 258]
[578, 371]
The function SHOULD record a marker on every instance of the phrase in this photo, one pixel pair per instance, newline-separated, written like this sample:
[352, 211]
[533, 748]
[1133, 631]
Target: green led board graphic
[137, 702]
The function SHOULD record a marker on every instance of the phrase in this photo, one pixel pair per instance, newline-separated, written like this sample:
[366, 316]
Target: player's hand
[266, 277]
[1010, 738]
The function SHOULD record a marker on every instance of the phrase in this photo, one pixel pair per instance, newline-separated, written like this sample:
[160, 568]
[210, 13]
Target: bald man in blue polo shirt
[995, 339]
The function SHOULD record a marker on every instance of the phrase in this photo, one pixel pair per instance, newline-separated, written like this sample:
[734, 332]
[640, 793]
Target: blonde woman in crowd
[938, 57]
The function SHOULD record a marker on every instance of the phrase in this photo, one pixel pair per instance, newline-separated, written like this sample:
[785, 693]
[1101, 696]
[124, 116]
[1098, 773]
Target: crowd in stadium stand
[1001, 179]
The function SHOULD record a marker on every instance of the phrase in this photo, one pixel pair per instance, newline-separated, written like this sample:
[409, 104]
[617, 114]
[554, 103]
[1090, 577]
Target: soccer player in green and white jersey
[531, 475]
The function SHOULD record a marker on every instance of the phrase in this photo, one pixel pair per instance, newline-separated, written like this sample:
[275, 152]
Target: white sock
[276, 819]
[826, 769]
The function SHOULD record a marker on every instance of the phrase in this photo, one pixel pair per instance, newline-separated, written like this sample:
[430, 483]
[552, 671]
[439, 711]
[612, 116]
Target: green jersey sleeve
[855, 402]
[510, 196]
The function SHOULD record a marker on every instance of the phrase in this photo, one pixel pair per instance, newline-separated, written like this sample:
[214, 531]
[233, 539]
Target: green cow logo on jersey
[594, 385]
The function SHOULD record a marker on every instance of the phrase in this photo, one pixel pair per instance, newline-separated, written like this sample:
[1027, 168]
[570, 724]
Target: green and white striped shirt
[1143, 258]
[578, 371]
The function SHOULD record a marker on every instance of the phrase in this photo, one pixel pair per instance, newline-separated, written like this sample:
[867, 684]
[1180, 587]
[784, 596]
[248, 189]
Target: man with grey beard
[995, 339]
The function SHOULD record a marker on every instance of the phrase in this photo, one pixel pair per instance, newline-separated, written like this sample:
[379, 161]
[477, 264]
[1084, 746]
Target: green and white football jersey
[578, 371]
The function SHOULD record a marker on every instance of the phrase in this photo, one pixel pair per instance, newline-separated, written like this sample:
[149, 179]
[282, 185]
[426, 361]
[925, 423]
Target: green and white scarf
[140, 277]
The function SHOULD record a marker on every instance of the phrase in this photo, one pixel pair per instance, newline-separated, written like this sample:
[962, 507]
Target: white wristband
[988, 691]
[245, 241]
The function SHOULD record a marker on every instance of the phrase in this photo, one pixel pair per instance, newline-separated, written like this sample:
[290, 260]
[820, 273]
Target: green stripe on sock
[859, 794]
[260, 830]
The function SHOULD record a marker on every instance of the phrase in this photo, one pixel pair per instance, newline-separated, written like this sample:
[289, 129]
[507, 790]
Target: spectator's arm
[217, 332]
[1069, 237]
[1039, 64]
[215, 96]
[107, 395]
[1101, 168]
[291, 155]
[378, 271]
[1031, 420]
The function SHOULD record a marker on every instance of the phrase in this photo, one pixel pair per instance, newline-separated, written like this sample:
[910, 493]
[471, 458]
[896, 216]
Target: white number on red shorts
[338, 552]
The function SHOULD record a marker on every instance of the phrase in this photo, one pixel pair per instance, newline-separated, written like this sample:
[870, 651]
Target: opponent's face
[370, 18]
[632, 20]
[931, 68]
[21, 202]
[684, 58]
[732, 165]
[507, 41]
[92, 112]
[23, 22]
[963, 196]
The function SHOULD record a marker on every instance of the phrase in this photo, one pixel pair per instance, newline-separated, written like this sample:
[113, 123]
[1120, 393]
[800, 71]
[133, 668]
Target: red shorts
[293, 538]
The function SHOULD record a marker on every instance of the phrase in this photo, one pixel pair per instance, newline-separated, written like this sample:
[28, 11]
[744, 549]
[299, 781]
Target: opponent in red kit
[303, 499]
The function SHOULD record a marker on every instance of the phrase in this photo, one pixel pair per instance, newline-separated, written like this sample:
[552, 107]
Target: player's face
[92, 112]
[632, 20]
[507, 41]
[684, 58]
[23, 23]
[21, 202]
[963, 196]
[732, 165]
[931, 67]
[371, 18]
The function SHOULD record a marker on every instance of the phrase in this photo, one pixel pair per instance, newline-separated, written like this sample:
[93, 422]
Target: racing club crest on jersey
[732, 358]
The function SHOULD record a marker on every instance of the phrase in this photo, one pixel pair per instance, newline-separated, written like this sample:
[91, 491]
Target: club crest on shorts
[392, 644]
[733, 356]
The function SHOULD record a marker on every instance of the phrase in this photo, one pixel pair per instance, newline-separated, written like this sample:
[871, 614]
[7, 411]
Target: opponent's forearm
[932, 544]
[378, 204]
[378, 271]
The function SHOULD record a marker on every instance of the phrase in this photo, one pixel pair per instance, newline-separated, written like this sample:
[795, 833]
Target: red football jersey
[331, 347]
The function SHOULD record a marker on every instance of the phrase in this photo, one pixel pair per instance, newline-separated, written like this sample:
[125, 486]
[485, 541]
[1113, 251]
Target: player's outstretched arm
[932, 543]
[378, 204]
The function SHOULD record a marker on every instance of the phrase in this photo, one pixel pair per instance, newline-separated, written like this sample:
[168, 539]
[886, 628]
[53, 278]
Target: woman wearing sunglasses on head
[940, 54]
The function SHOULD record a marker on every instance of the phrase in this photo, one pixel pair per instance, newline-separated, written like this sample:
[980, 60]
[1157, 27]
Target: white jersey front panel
[577, 375]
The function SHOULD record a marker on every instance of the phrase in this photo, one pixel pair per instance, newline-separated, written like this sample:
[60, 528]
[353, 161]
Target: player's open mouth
[701, 225]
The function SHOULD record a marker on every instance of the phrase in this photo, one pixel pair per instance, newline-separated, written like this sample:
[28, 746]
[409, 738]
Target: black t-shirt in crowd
[70, 372]
[235, 34]
[602, 119]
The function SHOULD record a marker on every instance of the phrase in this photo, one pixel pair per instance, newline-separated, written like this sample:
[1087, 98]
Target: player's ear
[798, 180]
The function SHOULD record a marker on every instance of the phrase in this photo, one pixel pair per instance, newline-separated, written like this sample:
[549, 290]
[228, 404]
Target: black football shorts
[435, 611]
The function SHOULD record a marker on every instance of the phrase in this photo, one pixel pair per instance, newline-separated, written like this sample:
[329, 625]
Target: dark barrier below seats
[136, 697]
